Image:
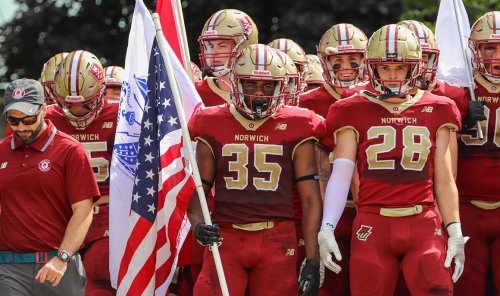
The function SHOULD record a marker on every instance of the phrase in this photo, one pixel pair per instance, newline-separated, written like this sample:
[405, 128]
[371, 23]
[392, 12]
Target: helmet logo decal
[96, 72]
[246, 25]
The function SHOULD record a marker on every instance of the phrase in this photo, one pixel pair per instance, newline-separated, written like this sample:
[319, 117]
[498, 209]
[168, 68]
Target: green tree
[426, 10]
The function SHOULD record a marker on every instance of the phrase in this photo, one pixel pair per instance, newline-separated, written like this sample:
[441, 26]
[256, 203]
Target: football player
[254, 168]
[113, 79]
[196, 74]
[47, 76]
[314, 74]
[87, 116]
[292, 83]
[224, 35]
[398, 137]
[341, 51]
[479, 164]
[298, 55]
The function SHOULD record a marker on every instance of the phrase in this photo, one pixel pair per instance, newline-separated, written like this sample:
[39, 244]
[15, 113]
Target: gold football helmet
[257, 62]
[47, 77]
[113, 76]
[314, 75]
[486, 30]
[292, 89]
[196, 74]
[226, 24]
[296, 52]
[393, 44]
[79, 81]
[429, 46]
[342, 39]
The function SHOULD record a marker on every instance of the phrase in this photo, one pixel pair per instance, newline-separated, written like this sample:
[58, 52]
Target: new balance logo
[281, 126]
[290, 252]
[107, 124]
[427, 109]
[3, 165]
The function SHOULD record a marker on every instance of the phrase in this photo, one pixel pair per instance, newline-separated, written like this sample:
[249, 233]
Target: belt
[396, 212]
[255, 226]
[37, 257]
[96, 208]
[486, 205]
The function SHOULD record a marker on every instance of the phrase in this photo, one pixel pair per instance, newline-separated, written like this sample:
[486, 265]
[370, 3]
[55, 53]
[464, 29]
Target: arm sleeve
[336, 192]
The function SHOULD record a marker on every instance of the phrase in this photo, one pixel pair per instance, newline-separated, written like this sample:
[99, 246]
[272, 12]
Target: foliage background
[42, 28]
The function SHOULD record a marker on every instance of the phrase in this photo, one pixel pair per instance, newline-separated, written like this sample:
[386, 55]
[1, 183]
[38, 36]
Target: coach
[47, 188]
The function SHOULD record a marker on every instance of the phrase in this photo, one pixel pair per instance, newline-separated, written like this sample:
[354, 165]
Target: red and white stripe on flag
[171, 26]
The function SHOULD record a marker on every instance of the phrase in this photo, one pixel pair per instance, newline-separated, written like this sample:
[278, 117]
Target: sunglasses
[27, 120]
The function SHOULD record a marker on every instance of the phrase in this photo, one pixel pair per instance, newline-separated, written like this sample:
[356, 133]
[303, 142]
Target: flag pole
[182, 29]
[468, 66]
[187, 139]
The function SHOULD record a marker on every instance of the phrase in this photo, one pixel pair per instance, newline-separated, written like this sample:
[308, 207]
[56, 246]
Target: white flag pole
[468, 65]
[187, 139]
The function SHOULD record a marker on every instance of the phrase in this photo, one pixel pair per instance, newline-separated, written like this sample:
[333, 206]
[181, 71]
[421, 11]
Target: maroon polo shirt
[38, 184]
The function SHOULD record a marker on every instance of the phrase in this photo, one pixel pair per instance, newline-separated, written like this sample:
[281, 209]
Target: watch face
[64, 256]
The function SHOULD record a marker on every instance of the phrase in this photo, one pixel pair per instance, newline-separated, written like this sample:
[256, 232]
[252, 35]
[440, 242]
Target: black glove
[206, 235]
[309, 278]
[476, 113]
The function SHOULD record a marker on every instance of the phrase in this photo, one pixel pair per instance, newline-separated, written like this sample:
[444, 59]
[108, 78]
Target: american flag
[162, 188]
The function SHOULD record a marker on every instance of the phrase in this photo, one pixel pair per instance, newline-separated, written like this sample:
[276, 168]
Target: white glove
[328, 245]
[456, 244]
[321, 271]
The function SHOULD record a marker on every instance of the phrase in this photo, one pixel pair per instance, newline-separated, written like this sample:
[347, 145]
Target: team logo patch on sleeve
[364, 232]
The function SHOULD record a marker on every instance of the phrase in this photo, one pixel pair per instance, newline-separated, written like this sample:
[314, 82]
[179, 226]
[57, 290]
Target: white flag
[123, 165]
[452, 66]
[133, 96]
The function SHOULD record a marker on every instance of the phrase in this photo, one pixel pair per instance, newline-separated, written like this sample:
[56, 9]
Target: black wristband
[205, 182]
[307, 177]
[450, 224]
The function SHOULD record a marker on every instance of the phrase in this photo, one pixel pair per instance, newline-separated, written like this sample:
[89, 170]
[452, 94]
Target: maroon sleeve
[80, 182]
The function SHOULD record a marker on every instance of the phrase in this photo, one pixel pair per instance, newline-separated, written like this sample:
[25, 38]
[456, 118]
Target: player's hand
[455, 252]
[206, 235]
[52, 271]
[309, 279]
[476, 113]
[328, 245]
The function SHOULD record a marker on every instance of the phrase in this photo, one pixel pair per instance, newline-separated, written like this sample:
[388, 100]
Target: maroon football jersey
[319, 99]
[396, 144]
[479, 160]
[97, 139]
[458, 94]
[254, 167]
[357, 88]
[210, 93]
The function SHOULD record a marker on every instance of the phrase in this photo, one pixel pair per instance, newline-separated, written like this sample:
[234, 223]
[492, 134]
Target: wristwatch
[63, 256]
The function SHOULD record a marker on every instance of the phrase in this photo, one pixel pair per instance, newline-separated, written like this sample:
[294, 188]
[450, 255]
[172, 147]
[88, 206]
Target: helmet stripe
[74, 76]
[260, 55]
[391, 39]
[343, 32]
[282, 44]
[213, 20]
[496, 22]
[420, 32]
